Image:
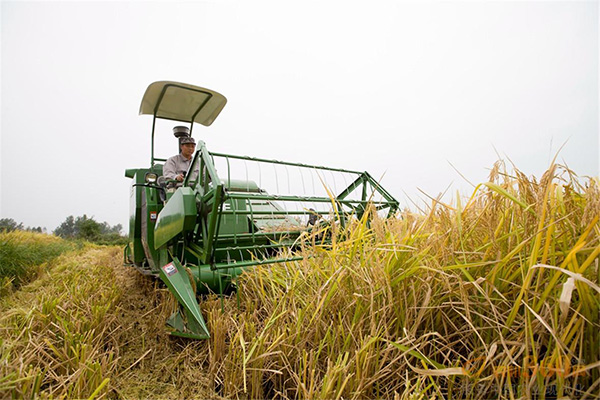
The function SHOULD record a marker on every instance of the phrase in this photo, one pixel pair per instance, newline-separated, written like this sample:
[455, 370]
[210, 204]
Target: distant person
[176, 167]
[313, 217]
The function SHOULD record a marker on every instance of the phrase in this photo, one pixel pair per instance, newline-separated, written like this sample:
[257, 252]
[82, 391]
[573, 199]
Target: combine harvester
[231, 212]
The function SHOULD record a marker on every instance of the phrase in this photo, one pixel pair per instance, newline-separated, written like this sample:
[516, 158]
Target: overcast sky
[402, 90]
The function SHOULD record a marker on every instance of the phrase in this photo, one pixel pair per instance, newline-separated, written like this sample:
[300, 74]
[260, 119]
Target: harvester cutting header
[229, 212]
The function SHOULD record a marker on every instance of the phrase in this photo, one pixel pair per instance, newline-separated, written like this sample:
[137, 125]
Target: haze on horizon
[411, 92]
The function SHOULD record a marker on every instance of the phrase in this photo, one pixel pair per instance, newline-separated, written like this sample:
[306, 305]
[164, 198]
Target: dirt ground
[154, 364]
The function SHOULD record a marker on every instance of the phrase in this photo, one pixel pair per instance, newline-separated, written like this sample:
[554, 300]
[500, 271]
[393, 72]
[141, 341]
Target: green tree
[67, 228]
[87, 228]
[9, 225]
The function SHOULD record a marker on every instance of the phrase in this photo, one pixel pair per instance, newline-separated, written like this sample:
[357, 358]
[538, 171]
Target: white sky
[395, 88]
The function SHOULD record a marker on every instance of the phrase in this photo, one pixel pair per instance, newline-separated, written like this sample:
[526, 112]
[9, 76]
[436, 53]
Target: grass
[23, 254]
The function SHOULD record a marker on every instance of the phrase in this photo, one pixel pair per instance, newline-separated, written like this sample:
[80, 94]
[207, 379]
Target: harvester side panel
[137, 212]
[151, 207]
[135, 222]
[177, 216]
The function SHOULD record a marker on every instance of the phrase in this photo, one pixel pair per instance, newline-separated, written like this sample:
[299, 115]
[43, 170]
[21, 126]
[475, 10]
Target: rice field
[495, 295]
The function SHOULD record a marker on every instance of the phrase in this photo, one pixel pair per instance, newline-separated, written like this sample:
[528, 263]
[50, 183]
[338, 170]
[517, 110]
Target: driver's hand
[179, 178]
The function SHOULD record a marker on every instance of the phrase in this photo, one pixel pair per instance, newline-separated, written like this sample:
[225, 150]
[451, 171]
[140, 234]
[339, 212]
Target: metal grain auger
[231, 212]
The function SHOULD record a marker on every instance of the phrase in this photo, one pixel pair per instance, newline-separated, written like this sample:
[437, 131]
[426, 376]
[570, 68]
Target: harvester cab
[231, 212]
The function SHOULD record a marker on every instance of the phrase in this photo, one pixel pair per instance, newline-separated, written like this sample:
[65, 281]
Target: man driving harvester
[176, 166]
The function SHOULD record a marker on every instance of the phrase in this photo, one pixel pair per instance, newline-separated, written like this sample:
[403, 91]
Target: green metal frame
[211, 240]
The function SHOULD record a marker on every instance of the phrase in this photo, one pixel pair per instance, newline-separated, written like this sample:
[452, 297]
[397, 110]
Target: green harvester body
[200, 236]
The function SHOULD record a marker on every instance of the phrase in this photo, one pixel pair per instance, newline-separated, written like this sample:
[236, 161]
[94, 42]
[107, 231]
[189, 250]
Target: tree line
[75, 228]
[9, 225]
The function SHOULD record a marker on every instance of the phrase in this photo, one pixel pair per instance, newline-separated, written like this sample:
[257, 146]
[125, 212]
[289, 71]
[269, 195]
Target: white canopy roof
[182, 102]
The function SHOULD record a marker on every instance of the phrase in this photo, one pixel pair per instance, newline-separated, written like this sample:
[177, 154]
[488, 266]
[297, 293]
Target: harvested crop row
[90, 328]
[58, 331]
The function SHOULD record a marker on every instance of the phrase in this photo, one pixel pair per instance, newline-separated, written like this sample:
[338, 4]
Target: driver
[176, 167]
